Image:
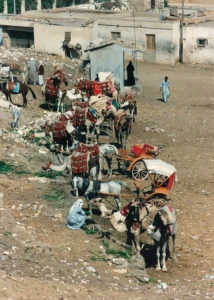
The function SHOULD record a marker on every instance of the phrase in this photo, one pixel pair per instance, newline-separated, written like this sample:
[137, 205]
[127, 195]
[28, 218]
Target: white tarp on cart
[160, 167]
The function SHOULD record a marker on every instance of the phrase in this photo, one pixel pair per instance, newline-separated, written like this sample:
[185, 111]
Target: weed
[48, 174]
[116, 253]
[55, 198]
[153, 280]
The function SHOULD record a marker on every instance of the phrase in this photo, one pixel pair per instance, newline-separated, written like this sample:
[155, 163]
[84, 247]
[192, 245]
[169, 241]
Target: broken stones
[136, 268]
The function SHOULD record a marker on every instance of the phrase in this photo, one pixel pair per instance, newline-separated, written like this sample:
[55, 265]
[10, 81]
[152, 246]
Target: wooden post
[181, 35]
[23, 7]
[5, 12]
[39, 4]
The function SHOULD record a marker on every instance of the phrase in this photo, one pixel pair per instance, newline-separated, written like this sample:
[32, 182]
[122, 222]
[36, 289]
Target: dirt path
[42, 259]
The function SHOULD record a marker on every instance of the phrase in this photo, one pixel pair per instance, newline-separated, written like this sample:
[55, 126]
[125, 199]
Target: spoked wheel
[139, 171]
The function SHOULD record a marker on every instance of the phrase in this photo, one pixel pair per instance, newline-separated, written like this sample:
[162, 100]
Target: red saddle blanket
[92, 87]
[50, 89]
[80, 162]
[92, 148]
[80, 117]
[59, 129]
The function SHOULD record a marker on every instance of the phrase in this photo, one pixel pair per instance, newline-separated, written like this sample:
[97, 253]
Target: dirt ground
[42, 259]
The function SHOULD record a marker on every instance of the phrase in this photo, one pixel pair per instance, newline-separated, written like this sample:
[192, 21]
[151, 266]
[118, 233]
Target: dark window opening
[67, 36]
[115, 35]
[202, 42]
[152, 4]
[21, 39]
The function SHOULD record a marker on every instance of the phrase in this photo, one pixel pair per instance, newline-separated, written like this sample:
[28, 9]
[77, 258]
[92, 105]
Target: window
[150, 41]
[115, 35]
[202, 42]
[67, 36]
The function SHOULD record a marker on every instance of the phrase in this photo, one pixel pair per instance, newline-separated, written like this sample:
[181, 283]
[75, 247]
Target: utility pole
[14, 6]
[181, 50]
[135, 46]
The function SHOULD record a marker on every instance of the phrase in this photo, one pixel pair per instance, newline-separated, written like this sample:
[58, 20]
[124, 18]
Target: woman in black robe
[130, 74]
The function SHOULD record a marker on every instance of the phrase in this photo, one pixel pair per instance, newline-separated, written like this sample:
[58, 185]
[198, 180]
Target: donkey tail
[32, 92]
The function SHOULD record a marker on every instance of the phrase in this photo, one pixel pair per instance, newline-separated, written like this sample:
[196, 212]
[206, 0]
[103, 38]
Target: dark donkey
[122, 127]
[23, 89]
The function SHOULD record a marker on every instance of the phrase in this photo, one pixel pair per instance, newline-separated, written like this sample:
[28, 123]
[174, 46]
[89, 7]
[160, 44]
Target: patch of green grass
[90, 231]
[116, 253]
[8, 168]
[97, 256]
[56, 198]
[153, 280]
[48, 174]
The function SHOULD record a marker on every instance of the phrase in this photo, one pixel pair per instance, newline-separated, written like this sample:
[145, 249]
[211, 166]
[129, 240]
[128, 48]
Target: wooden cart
[133, 160]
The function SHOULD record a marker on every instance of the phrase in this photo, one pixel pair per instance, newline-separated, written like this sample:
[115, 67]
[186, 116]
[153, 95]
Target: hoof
[158, 268]
[164, 269]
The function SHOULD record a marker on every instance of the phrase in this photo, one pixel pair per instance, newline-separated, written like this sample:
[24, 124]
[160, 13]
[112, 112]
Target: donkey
[23, 89]
[105, 152]
[91, 188]
[134, 219]
[122, 127]
[163, 226]
[93, 167]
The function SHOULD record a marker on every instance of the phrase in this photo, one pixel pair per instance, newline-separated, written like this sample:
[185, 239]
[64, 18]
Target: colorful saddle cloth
[13, 87]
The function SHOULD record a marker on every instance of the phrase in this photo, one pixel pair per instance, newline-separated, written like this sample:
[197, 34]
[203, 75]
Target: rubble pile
[71, 66]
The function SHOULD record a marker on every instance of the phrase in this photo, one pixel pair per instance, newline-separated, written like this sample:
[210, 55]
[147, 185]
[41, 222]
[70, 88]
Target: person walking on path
[32, 71]
[164, 87]
[76, 217]
[41, 73]
[130, 74]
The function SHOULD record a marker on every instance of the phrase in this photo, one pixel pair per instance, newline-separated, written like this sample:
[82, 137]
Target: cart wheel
[139, 171]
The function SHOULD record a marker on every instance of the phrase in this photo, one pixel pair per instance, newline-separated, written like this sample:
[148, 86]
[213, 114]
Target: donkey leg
[158, 267]
[89, 205]
[173, 248]
[24, 101]
[100, 168]
[117, 199]
[163, 262]
[109, 163]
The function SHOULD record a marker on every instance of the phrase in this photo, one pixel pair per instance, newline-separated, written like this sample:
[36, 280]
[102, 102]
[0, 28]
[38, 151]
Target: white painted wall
[193, 53]
[166, 35]
[49, 38]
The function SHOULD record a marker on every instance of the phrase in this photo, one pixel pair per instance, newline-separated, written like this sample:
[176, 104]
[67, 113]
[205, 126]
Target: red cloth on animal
[96, 89]
[80, 162]
[50, 89]
[93, 149]
[125, 210]
[59, 129]
[60, 75]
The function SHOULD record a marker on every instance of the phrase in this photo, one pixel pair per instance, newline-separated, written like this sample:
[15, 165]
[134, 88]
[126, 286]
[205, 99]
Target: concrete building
[157, 39]
[199, 43]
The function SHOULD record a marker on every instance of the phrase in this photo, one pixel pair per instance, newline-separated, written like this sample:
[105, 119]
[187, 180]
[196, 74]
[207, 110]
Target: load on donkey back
[57, 82]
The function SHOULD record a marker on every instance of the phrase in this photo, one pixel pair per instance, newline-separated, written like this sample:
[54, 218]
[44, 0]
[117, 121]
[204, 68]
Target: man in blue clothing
[164, 87]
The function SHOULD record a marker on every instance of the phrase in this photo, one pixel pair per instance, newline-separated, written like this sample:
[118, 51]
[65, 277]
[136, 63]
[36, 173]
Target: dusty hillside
[42, 259]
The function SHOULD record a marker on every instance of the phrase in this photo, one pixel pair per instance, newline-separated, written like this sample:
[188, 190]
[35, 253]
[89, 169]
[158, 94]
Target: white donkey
[105, 152]
[91, 188]
[163, 226]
